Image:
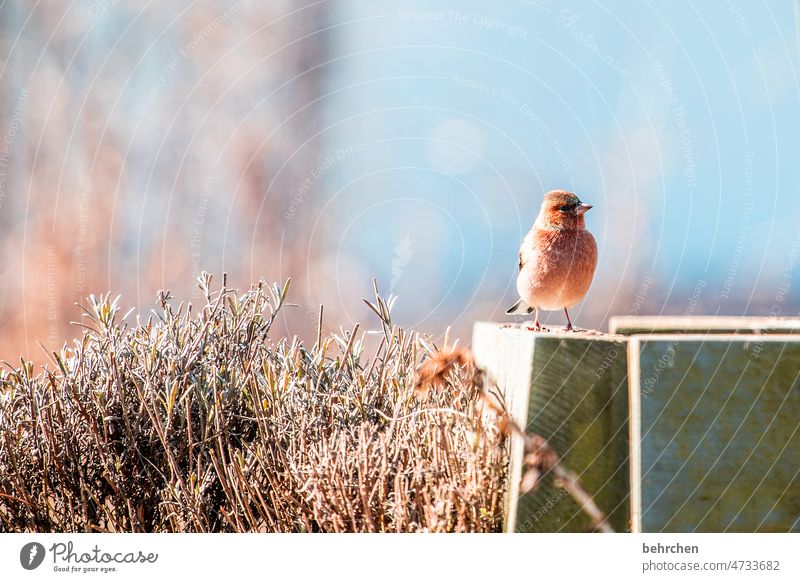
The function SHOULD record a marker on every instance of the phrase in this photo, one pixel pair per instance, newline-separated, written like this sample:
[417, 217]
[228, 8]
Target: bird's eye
[565, 208]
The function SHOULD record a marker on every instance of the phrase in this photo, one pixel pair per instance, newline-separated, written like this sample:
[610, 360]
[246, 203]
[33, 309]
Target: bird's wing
[520, 307]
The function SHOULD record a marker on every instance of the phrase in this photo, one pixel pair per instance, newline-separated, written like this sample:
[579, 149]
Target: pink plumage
[557, 259]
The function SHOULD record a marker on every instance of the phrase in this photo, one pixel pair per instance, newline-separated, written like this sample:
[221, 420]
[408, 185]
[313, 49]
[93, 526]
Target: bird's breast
[557, 267]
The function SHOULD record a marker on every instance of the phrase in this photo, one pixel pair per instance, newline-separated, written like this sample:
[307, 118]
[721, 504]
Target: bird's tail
[520, 308]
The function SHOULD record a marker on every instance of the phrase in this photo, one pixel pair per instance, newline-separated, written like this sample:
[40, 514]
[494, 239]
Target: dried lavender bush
[203, 422]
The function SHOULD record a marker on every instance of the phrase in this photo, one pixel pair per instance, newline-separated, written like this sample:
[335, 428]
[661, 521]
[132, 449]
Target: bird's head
[563, 211]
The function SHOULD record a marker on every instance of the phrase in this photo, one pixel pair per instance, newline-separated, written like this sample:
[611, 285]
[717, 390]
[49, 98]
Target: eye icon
[31, 555]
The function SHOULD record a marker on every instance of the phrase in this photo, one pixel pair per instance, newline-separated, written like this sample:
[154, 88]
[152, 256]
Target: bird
[557, 258]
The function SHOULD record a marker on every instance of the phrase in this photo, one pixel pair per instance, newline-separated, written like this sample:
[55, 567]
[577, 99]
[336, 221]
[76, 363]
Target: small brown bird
[557, 259]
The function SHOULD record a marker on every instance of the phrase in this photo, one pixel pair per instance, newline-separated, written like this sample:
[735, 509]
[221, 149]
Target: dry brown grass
[201, 421]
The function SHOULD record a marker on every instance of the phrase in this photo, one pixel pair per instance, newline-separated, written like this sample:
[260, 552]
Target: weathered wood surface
[666, 324]
[572, 389]
[714, 433]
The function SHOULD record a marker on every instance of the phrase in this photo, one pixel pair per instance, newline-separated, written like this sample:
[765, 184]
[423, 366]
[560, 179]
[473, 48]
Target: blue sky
[414, 141]
[678, 120]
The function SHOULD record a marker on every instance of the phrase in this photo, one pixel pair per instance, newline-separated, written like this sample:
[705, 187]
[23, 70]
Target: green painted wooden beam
[667, 324]
[715, 438]
[572, 389]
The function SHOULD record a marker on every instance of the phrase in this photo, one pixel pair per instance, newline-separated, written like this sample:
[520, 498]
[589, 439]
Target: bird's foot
[569, 327]
[536, 327]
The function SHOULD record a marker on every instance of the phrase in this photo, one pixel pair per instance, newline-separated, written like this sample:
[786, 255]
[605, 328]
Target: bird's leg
[569, 322]
[536, 325]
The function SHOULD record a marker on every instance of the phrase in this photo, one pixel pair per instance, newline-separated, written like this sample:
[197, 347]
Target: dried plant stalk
[199, 420]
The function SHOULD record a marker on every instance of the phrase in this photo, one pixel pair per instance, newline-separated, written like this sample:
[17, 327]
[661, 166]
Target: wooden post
[715, 439]
[572, 389]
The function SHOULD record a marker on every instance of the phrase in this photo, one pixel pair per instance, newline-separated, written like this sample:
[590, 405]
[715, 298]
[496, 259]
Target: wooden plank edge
[519, 412]
[517, 404]
[635, 432]
[519, 329]
[701, 322]
[717, 337]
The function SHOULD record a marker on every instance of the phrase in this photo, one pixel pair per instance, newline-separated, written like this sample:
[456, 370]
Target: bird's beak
[583, 209]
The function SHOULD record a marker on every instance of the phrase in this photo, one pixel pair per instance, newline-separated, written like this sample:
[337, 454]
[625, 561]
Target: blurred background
[142, 142]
